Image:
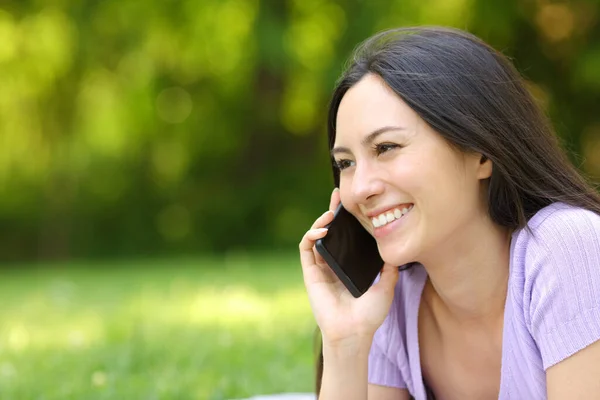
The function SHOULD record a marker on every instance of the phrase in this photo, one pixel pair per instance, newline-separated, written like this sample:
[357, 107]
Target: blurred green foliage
[162, 127]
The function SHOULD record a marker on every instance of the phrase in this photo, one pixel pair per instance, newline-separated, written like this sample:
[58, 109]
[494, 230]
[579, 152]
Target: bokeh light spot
[555, 21]
[99, 378]
[174, 105]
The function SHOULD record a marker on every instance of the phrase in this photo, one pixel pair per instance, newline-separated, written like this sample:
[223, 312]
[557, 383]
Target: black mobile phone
[351, 252]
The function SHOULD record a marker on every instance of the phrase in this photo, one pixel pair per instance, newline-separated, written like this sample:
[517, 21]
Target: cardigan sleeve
[563, 280]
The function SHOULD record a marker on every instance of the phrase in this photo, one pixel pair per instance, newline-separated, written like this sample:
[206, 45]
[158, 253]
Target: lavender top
[552, 307]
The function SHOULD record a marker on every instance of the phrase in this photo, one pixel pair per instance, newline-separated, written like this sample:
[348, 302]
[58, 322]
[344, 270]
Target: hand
[341, 317]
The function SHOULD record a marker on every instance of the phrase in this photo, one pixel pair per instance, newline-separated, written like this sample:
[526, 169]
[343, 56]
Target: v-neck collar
[419, 277]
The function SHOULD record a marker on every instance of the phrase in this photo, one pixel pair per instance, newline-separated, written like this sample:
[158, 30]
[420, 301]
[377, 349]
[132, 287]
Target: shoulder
[560, 246]
[556, 234]
[562, 220]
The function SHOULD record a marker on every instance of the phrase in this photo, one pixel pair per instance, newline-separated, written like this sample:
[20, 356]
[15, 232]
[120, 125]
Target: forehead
[369, 105]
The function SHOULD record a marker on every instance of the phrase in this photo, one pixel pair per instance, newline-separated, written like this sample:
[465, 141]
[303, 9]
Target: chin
[396, 257]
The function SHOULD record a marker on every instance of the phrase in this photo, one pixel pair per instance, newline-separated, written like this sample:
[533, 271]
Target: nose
[366, 182]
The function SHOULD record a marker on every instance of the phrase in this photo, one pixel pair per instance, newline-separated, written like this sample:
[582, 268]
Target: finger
[310, 237]
[323, 220]
[318, 257]
[388, 279]
[326, 273]
[335, 199]
[307, 257]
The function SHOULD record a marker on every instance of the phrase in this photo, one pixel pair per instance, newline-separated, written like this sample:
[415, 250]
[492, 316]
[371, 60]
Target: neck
[468, 277]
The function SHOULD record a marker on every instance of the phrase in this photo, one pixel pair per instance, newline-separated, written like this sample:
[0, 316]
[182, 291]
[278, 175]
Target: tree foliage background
[140, 128]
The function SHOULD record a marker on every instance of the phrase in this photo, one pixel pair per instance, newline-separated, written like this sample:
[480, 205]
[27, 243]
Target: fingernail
[336, 190]
[321, 230]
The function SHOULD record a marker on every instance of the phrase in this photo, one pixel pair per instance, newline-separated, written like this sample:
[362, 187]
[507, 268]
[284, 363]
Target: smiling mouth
[390, 216]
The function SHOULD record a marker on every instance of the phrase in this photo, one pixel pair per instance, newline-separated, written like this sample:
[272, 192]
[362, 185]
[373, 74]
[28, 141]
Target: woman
[503, 296]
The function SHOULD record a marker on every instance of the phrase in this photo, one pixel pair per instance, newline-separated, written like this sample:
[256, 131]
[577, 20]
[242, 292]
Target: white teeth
[390, 216]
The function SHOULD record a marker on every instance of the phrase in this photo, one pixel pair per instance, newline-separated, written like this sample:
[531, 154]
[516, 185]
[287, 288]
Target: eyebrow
[370, 138]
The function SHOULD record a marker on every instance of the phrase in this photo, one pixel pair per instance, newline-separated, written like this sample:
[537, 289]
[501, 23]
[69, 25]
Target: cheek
[346, 196]
[446, 200]
[344, 187]
[349, 204]
[443, 189]
[435, 185]
[412, 175]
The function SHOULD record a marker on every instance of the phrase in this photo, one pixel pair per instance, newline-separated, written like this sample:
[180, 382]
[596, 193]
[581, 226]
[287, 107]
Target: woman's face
[400, 178]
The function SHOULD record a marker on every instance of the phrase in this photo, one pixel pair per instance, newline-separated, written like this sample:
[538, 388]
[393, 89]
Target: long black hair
[473, 97]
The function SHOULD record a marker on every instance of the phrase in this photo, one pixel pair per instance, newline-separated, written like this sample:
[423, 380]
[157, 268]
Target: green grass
[179, 329]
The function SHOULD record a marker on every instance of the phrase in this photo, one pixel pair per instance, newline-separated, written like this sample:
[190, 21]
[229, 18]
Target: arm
[577, 377]
[345, 375]
[345, 371]
[387, 393]
[347, 324]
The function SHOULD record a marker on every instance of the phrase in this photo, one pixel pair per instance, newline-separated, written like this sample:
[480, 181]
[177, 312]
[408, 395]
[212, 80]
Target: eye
[343, 164]
[384, 147]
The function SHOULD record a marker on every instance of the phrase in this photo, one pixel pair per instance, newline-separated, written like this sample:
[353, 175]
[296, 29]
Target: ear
[484, 170]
